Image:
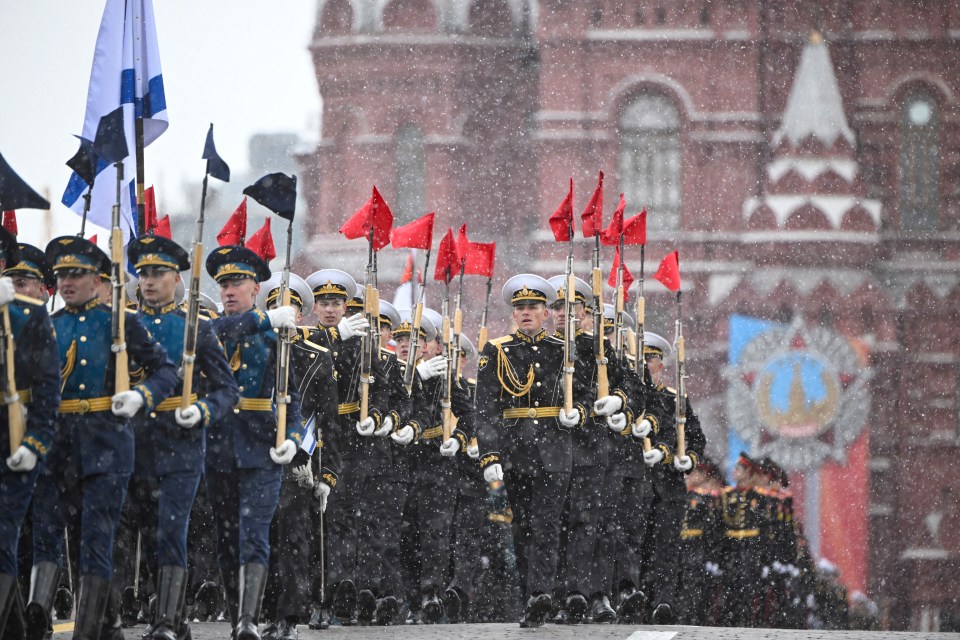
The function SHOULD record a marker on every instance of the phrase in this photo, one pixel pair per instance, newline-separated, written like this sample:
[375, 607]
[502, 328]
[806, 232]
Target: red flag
[627, 276]
[261, 243]
[448, 262]
[668, 273]
[93, 238]
[235, 231]
[635, 229]
[480, 257]
[407, 268]
[376, 215]
[611, 235]
[592, 216]
[562, 219]
[150, 218]
[416, 235]
[462, 242]
[10, 222]
[163, 228]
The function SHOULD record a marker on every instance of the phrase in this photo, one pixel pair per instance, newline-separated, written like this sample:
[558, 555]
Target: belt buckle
[531, 413]
[84, 406]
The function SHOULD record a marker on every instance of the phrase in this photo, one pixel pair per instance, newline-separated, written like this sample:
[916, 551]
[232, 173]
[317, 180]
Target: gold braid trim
[235, 360]
[512, 384]
[70, 361]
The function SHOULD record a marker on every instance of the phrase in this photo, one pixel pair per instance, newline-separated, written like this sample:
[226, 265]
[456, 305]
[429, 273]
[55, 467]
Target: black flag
[216, 167]
[110, 143]
[277, 192]
[15, 193]
[84, 161]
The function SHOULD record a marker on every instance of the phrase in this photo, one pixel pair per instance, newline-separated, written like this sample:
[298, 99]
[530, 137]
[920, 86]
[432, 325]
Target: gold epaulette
[314, 345]
[500, 340]
[28, 299]
[472, 380]
[132, 312]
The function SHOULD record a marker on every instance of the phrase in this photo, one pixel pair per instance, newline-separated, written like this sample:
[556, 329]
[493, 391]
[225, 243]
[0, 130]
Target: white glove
[617, 422]
[126, 403]
[283, 317]
[571, 419]
[641, 429]
[353, 326]
[435, 366]
[474, 452]
[385, 427]
[284, 453]
[7, 292]
[682, 463]
[493, 473]
[403, 436]
[22, 459]
[189, 417]
[366, 427]
[450, 447]
[652, 457]
[608, 405]
[303, 475]
[321, 492]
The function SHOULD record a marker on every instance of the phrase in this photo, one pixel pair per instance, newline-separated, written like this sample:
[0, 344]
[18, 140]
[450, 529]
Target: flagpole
[283, 359]
[603, 384]
[681, 417]
[619, 302]
[141, 212]
[193, 303]
[482, 339]
[641, 361]
[415, 331]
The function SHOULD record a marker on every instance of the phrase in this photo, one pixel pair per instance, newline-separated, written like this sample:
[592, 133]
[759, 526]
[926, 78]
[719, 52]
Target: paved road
[221, 631]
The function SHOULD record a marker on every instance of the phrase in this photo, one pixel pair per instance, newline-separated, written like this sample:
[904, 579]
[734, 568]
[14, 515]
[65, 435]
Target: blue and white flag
[126, 73]
[309, 442]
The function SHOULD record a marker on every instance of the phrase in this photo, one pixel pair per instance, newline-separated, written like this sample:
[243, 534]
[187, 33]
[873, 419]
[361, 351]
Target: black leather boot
[44, 580]
[630, 605]
[663, 614]
[452, 605]
[601, 612]
[287, 630]
[205, 602]
[431, 607]
[253, 580]
[366, 606]
[172, 579]
[8, 598]
[387, 611]
[94, 594]
[345, 603]
[111, 627]
[538, 607]
[576, 607]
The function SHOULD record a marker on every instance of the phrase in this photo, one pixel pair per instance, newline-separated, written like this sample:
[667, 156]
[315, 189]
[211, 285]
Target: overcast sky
[241, 64]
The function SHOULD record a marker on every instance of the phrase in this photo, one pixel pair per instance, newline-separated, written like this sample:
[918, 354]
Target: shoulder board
[132, 312]
[472, 380]
[387, 353]
[28, 300]
[314, 345]
[553, 339]
[501, 340]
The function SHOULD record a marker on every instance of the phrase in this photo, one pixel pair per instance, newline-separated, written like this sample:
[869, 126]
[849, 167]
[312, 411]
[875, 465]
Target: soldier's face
[158, 286]
[78, 289]
[403, 347]
[432, 348]
[530, 317]
[29, 287]
[330, 311]
[386, 334]
[655, 367]
[558, 313]
[238, 295]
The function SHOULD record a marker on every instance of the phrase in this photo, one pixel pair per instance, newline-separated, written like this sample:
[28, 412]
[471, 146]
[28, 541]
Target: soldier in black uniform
[700, 538]
[583, 580]
[37, 377]
[662, 571]
[743, 520]
[296, 524]
[354, 520]
[526, 435]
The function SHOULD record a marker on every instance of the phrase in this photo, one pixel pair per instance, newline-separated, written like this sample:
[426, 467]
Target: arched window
[410, 15]
[919, 164]
[410, 166]
[649, 161]
[337, 17]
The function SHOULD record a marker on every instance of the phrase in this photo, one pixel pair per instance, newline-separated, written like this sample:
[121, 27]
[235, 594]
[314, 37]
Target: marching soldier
[700, 540]
[743, 545]
[243, 467]
[170, 440]
[355, 512]
[525, 434]
[587, 583]
[288, 587]
[37, 379]
[433, 475]
[669, 487]
[93, 456]
[31, 274]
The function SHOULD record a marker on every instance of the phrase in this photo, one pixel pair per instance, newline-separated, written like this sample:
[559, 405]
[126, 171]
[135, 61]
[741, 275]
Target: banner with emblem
[800, 395]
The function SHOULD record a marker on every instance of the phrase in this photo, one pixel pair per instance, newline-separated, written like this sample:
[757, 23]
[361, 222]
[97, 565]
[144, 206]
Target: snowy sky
[241, 64]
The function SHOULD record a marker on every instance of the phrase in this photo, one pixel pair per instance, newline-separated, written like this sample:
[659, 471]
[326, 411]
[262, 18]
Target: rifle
[619, 330]
[118, 320]
[603, 385]
[415, 332]
[282, 390]
[368, 346]
[681, 405]
[448, 340]
[569, 333]
[11, 398]
[640, 363]
[482, 338]
[193, 305]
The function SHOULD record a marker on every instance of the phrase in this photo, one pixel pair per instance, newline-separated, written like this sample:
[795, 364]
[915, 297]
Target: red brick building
[832, 200]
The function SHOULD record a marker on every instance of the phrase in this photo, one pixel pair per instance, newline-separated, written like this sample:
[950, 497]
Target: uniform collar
[157, 311]
[520, 335]
[86, 306]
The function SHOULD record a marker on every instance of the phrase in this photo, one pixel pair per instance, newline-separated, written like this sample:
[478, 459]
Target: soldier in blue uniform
[37, 378]
[93, 452]
[297, 519]
[170, 440]
[31, 275]
[243, 468]
[526, 436]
